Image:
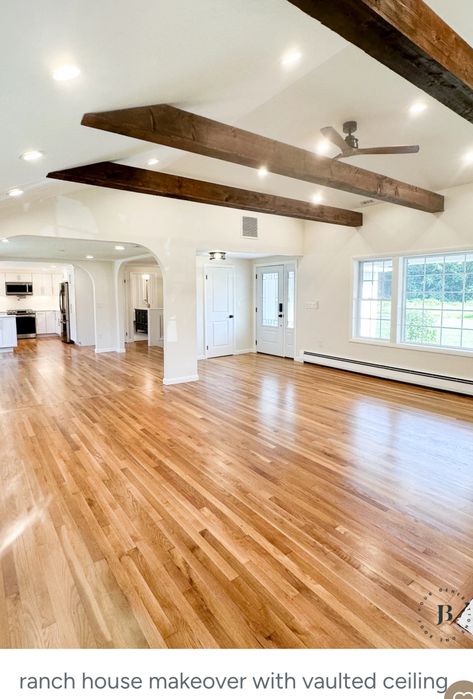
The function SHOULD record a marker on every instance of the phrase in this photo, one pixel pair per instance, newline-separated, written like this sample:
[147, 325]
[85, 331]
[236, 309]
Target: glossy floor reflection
[271, 504]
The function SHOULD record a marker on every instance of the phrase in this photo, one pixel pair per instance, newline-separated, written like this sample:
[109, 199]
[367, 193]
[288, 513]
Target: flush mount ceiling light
[262, 172]
[322, 147]
[89, 257]
[153, 161]
[317, 198]
[291, 58]
[31, 155]
[15, 192]
[417, 108]
[66, 72]
[217, 255]
[119, 247]
[5, 240]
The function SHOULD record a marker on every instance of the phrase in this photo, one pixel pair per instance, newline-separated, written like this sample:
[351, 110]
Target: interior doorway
[275, 309]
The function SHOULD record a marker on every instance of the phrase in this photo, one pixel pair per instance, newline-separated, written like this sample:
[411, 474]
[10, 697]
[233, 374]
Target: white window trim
[397, 307]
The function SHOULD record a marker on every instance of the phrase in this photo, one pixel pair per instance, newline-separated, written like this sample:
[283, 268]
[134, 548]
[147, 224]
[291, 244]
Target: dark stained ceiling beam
[133, 179]
[408, 37]
[176, 128]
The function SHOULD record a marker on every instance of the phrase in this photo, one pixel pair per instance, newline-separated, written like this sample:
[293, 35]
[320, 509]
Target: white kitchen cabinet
[46, 323]
[58, 325]
[51, 322]
[57, 278]
[42, 285]
[41, 322]
[2, 284]
[8, 338]
[14, 276]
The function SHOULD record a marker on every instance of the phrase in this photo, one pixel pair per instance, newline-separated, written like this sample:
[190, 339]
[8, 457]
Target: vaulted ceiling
[221, 59]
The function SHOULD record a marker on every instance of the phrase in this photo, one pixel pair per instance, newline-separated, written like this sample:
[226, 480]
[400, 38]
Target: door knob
[230, 316]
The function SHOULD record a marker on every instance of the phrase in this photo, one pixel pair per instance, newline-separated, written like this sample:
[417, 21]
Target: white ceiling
[67, 249]
[220, 58]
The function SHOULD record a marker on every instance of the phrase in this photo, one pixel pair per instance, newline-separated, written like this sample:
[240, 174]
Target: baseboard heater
[420, 378]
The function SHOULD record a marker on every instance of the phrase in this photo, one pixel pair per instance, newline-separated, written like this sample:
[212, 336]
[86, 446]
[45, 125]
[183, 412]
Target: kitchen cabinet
[56, 278]
[47, 323]
[14, 276]
[42, 285]
[8, 338]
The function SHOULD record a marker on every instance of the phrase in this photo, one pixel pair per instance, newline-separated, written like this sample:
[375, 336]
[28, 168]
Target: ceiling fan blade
[386, 150]
[334, 137]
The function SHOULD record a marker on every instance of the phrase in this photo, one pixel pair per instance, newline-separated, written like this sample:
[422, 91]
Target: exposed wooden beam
[408, 37]
[176, 128]
[133, 179]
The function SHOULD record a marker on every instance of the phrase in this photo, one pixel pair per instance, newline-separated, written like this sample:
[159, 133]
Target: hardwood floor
[271, 504]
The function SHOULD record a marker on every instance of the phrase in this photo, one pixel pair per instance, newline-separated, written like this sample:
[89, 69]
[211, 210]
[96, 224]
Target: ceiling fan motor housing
[349, 127]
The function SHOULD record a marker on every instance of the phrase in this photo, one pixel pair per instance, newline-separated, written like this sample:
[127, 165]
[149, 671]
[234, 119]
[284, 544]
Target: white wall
[84, 308]
[244, 318]
[171, 230]
[325, 275]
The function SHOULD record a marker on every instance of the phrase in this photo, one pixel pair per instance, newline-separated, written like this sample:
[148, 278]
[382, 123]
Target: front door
[219, 320]
[270, 310]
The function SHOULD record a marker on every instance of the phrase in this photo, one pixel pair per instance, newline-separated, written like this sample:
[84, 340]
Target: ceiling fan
[349, 145]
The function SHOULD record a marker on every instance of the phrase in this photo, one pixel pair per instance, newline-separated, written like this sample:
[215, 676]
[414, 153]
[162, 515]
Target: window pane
[467, 340]
[270, 299]
[290, 299]
[438, 300]
[374, 299]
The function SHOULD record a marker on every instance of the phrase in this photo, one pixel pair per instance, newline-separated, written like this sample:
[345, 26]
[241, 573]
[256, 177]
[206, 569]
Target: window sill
[416, 348]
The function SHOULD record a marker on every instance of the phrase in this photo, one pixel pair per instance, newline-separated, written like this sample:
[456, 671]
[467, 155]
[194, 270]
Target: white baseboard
[245, 351]
[419, 378]
[299, 358]
[181, 379]
[200, 356]
[108, 349]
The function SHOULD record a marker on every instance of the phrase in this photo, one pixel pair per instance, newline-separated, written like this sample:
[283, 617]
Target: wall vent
[249, 228]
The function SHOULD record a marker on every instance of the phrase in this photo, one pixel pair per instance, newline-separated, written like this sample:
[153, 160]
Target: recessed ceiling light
[66, 72]
[153, 161]
[262, 172]
[317, 198]
[15, 192]
[31, 155]
[291, 58]
[119, 247]
[322, 147]
[5, 240]
[417, 108]
[53, 266]
[89, 257]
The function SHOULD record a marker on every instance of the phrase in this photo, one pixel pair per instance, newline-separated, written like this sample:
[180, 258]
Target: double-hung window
[373, 303]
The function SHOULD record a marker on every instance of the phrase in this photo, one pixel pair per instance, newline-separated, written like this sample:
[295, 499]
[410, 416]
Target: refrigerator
[64, 309]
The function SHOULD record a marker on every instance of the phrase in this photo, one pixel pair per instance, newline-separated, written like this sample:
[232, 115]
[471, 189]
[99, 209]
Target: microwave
[18, 288]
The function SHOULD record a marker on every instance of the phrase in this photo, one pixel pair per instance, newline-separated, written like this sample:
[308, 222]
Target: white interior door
[270, 310]
[219, 311]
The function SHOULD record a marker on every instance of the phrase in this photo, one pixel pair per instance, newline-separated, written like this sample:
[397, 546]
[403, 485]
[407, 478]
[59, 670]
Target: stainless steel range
[25, 323]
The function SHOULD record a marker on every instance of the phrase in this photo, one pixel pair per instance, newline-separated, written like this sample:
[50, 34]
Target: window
[291, 276]
[270, 299]
[373, 311]
[437, 303]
